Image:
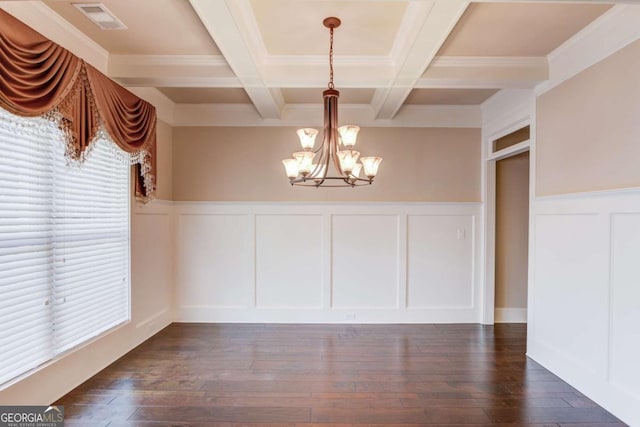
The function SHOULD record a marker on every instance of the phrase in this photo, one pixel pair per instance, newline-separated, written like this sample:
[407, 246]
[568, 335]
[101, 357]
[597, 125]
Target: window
[64, 244]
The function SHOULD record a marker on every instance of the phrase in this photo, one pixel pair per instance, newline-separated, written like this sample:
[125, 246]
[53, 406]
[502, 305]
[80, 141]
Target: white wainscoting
[584, 299]
[365, 261]
[151, 267]
[288, 261]
[327, 263]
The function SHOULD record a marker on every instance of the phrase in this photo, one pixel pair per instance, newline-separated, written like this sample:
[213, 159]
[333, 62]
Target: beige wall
[512, 231]
[164, 162]
[245, 164]
[588, 128]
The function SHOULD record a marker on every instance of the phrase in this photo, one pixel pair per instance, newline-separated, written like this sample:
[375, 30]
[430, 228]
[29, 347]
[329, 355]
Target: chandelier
[335, 162]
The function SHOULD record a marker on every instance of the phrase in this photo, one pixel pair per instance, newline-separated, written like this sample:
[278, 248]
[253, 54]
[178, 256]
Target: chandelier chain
[331, 86]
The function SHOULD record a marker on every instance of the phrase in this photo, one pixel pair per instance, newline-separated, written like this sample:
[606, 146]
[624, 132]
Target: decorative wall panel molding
[330, 263]
[584, 322]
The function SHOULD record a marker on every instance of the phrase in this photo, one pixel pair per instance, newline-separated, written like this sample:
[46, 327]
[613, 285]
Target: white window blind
[26, 245]
[64, 244]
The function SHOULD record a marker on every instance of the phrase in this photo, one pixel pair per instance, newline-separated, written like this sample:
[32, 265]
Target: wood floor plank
[221, 413]
[370, 415]
[234, 375]
[557, 415]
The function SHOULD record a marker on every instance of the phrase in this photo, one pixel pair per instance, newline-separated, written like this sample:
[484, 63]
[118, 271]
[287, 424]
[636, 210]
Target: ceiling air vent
[100, 15]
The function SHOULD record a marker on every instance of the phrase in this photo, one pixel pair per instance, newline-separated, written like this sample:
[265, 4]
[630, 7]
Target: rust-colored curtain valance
[40, 78]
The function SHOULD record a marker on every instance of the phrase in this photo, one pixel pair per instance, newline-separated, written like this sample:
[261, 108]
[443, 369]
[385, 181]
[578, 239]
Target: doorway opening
[508, 193]
[511, 238]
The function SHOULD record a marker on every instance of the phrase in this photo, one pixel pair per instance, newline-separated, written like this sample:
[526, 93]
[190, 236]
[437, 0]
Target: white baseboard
[330, 315]
[511, 315]
[156, 322]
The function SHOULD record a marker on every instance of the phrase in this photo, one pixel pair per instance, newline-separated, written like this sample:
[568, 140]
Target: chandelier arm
[332, 109]
[322, 160]
[314, 171]
[326, 160]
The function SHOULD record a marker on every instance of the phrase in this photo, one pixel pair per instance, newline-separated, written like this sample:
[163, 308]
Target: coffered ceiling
[267, 60]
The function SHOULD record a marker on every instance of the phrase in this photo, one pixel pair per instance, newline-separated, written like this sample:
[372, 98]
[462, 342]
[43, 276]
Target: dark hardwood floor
[303, 375]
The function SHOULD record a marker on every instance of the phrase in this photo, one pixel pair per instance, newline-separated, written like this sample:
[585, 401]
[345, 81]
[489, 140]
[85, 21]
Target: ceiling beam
[427, 25]
[172, 71]
[301, 115]
[310, 72]
[484, 73]
[223, 26]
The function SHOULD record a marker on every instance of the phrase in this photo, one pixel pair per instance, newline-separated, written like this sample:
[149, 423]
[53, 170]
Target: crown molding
[612, 31]
[53, 26]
